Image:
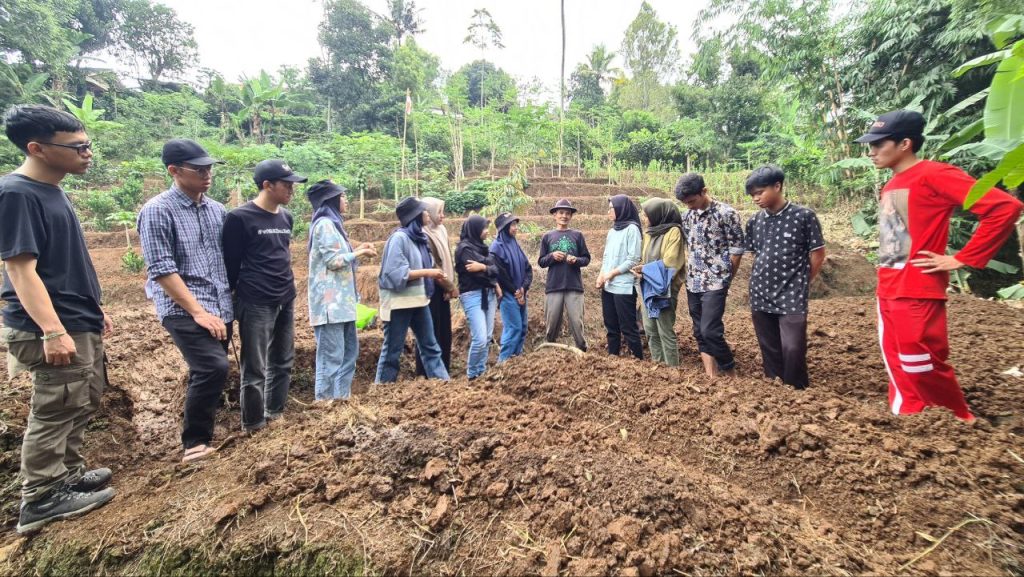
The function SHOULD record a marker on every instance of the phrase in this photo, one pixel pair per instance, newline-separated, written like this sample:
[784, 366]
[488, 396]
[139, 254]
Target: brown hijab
[438, 234]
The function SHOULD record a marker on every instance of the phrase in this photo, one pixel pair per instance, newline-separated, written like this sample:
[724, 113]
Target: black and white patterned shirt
[782, 243]
[713, 235]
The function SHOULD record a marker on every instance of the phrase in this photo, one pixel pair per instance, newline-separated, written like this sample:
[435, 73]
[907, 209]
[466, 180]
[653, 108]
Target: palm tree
[599, 63]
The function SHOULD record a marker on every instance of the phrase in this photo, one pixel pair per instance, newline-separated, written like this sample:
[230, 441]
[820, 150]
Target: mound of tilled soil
[581, 465]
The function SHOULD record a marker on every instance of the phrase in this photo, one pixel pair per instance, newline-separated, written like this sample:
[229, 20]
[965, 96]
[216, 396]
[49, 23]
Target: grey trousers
[569, 303]
[64, 399]
[661, 333]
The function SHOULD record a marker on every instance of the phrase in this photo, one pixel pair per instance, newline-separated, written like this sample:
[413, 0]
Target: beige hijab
[438, 235]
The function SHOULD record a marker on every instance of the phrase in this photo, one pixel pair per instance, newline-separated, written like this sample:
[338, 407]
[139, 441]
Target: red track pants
[915, 347]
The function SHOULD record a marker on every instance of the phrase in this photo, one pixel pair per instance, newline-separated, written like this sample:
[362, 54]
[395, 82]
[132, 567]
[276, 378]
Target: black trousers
[441, 314]
[207, 360]
[619, 313]
[706, 310]
[783, 342]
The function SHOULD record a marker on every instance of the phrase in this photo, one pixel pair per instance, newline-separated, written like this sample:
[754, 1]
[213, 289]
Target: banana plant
[90, 117]
[1003, 121]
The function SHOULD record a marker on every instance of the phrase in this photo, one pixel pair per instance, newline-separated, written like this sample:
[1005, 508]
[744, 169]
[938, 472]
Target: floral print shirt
[712, 236]
[332, 276]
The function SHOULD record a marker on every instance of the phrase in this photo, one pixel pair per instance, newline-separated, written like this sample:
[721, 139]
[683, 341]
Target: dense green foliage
[750, 94]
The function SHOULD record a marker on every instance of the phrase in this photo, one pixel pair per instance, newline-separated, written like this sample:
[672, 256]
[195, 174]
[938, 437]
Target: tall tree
[599, 63]
[153, 35]
[483, 33]
[561, 102]
[405, 19]
[355, 65]
[650, 51]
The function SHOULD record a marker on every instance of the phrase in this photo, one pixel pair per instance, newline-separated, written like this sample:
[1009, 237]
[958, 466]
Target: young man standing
[53, 323]
[258, 259]
[913, 225]
[563, 252]
[180, 231]
[715, 238]
[788, 252]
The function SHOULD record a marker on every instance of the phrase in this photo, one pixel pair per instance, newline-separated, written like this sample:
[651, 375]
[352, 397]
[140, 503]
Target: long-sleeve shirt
[621, 253]
[563, 276]
[672, 253]
[332, 276]
[257, 255]
[184, 237]
[913, 215]
[474, 281]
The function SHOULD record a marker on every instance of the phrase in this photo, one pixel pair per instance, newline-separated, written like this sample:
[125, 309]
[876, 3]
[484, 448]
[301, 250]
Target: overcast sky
[240, 37]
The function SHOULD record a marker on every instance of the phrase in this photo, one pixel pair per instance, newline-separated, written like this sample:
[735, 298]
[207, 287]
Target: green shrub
[97, 206]
[460, 202]
[132, 262]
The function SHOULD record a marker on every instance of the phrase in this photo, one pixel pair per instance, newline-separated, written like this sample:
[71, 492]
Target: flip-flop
[196, 453]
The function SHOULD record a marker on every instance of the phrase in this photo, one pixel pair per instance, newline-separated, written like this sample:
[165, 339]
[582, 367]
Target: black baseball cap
[904, 123]
[180, 150]
[275, 169]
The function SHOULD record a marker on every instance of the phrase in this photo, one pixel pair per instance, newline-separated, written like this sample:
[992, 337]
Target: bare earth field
[554, 463]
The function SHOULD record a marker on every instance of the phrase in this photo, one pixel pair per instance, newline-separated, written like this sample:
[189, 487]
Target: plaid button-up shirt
[183, 237]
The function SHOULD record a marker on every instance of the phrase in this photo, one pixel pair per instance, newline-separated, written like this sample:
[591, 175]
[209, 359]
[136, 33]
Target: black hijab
[471, 232]
[625, 212]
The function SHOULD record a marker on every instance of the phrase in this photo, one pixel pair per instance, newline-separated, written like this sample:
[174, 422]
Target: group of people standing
[208, 267]
[649, 263]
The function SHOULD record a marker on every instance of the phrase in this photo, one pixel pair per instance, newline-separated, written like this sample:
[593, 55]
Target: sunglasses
[80, 148]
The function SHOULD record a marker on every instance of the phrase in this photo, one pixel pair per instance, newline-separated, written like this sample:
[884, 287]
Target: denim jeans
[418, 319]
[336, 352]
[513, 328]
[268, 353]
[481, 329]
[207, 360]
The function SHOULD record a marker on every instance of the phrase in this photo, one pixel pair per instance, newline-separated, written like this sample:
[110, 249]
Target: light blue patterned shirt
[180, 236]
[332, 276]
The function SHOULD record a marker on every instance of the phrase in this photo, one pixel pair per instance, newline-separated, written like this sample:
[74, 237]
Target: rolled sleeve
[156, 233]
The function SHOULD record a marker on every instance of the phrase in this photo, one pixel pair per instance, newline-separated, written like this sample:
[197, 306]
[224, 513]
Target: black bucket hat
[322, 191]
[409, 209]
[504, 219]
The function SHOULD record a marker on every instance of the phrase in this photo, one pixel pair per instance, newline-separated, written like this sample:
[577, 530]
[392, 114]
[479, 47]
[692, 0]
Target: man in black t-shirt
[53, 323]
[258, 259]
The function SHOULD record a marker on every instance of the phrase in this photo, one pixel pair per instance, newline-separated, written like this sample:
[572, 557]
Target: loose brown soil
[555, 463]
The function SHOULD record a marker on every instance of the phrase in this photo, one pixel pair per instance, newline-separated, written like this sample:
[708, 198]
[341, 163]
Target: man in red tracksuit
[913, 267]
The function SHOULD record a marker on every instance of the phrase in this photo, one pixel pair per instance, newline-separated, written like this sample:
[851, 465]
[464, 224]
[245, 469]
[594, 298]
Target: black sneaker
[60, 504]
[92, 481]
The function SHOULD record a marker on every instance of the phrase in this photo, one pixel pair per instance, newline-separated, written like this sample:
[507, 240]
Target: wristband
[52, 336]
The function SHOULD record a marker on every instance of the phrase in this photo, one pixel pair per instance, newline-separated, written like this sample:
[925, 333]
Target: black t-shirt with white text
[37, 218]
[257, 255]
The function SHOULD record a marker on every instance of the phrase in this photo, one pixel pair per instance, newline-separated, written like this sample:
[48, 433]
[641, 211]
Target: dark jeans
[441, 315]
[783, 342]
[207, 360]
[395, 330]
[268, 353]
[619, 313]
[706, 310]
